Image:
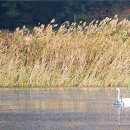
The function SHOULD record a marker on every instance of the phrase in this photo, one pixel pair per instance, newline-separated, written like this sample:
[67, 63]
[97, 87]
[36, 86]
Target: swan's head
[122, 96]
[118, 89]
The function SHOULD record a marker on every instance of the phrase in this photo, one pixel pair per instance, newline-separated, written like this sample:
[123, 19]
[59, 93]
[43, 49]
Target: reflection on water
[62, 109]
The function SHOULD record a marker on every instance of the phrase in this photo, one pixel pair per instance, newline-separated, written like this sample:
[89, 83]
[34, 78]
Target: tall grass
[74, 55]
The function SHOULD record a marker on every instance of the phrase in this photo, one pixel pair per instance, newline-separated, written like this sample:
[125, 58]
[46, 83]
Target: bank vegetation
[73, 54]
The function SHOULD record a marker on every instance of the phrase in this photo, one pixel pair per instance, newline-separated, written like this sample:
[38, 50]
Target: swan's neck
[118, 95]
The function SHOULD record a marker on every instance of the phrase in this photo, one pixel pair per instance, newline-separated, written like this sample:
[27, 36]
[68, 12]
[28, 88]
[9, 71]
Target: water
[62, 109]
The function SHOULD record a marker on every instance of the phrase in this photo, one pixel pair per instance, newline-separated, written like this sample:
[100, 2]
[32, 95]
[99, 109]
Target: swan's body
[126, 102]
[121, 101]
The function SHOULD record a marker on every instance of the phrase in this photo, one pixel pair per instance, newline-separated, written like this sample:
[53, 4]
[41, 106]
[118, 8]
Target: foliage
[30, 13]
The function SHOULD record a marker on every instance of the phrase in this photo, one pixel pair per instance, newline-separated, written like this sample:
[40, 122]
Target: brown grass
[75, 55]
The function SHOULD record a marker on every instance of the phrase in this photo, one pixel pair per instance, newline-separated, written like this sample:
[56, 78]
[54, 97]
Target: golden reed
[73, 55]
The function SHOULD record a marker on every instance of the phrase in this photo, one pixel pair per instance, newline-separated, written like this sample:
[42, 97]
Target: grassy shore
[74, 55]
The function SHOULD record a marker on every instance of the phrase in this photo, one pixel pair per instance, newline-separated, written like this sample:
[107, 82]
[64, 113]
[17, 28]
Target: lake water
[62, 109]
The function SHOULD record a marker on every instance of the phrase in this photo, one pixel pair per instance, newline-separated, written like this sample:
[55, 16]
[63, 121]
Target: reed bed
[97, 54]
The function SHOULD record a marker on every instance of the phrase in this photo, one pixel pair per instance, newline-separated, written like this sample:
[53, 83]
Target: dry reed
[74, 55]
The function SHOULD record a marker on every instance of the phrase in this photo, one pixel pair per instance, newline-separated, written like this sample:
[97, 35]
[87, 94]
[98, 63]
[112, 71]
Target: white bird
[121, 101]
[118, 100]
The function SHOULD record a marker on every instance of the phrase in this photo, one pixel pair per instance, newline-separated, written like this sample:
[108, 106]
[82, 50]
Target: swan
[126, 101]
[121, 101]
[118, 101]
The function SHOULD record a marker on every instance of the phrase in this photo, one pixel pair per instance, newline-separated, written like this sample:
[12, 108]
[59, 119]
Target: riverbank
[75, 55]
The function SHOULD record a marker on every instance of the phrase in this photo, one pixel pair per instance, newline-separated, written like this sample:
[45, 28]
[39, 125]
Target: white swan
[118, 100]
[121, 101]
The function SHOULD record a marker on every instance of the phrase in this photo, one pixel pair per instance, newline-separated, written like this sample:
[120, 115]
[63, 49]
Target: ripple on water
[79, 109]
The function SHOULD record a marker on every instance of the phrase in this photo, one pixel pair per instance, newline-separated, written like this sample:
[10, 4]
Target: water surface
[62, 109]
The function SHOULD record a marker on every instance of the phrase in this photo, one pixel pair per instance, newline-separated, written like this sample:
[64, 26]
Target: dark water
[70, 109]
